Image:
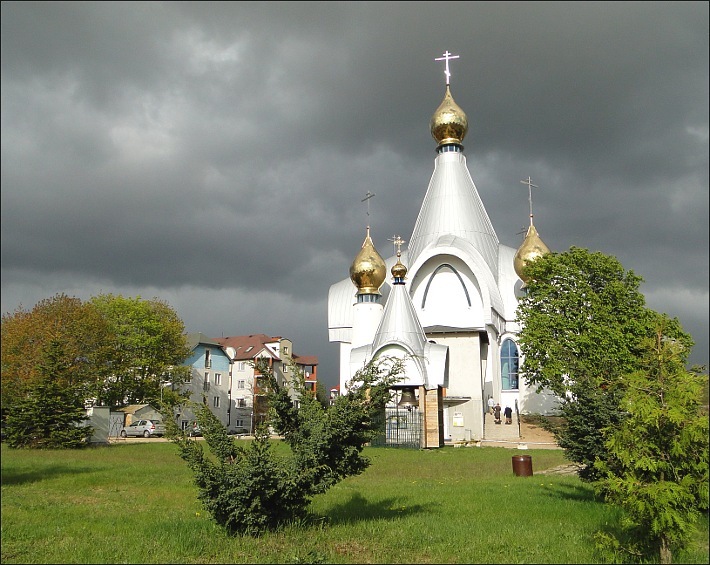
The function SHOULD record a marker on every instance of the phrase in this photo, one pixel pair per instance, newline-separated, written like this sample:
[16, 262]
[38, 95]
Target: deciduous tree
[150, 348]
[583, 322]
[74, 334]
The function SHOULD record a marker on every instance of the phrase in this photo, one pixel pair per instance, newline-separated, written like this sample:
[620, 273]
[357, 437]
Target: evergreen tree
[52, 414]
[657, 469]
[248, 489]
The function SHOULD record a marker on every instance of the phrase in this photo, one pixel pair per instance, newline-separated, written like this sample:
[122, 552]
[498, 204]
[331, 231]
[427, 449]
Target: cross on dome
[368, 195]
[398, 241]
[447, 57]
[530, 185]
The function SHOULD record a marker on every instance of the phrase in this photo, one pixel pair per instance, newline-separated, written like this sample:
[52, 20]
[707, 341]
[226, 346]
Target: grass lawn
[136, 503]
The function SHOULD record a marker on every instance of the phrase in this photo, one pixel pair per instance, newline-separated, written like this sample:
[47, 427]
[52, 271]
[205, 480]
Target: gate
[401, 428]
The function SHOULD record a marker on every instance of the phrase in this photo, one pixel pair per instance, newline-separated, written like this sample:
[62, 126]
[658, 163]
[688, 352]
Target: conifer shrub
[248, 489]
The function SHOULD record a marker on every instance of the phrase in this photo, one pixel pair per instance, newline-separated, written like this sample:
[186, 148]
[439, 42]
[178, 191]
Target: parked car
[238, 432]
[144, 428]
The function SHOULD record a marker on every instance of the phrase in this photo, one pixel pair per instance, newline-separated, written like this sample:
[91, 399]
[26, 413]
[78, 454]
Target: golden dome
[532, 248]
[449, 123]
[368, 270]
[399, 271]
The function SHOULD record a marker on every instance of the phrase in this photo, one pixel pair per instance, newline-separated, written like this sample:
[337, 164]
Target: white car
[144, 428]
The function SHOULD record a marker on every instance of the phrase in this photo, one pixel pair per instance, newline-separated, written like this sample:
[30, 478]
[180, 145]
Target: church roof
[400, 323]
[452, 206]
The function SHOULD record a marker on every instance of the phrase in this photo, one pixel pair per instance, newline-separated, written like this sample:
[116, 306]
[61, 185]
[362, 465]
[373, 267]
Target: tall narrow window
[218, 378]
[208, 358]
[215, 401]
[509, 359]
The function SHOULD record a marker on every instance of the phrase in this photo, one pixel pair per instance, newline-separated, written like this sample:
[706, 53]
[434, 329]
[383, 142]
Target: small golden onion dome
[532, 248]
[368, 270]
[399, 271]
[449, 123]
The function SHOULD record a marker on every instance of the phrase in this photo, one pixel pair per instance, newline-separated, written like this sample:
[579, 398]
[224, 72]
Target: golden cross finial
[398, 241]
[447, 57]
[530, 185]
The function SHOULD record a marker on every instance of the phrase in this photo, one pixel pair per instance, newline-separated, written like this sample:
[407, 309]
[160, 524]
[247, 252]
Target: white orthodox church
[449, 307]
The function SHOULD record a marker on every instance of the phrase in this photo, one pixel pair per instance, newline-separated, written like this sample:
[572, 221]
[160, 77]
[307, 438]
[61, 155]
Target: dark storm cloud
[213, 153]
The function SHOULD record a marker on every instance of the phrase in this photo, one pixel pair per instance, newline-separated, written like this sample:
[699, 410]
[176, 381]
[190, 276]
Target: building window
[188, 380]
[285, 349]
[285, 369]
[242, 366]
[215, 401]
[208, 358]
[241, 403]
[218, 378]
[241, 384]
[509, 360]
[239, 423]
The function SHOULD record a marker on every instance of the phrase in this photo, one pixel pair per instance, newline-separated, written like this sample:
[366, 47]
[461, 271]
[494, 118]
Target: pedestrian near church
[508, 415]
[496, 413]
[491, 405]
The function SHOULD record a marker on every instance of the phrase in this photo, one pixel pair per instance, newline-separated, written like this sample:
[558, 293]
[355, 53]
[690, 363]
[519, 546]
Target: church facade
[448, 306]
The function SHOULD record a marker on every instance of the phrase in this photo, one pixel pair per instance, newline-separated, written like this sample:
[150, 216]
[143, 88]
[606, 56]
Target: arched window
[509, 365]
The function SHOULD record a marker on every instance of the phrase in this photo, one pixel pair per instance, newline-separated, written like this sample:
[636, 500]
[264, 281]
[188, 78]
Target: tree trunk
[665, 556]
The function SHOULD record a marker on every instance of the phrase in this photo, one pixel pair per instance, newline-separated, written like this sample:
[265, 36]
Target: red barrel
[522, 466]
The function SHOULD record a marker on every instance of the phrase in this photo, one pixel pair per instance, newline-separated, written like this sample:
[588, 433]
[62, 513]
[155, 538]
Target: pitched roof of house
[248, 346]
[132, 408]
[305, 359]
[194, 339]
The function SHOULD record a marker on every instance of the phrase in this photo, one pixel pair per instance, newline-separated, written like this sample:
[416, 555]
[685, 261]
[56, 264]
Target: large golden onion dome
[368, 270]
[531, 248]
[449, 123]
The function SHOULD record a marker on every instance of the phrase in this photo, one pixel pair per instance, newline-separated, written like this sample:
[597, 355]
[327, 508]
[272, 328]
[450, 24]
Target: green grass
[136, 503]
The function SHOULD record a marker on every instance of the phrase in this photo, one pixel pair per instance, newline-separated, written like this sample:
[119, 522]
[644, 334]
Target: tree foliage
[73, 334]
[150, 348]
[106, 351]
[248, 489]
[657, 470]
[583, 323]
[51, 414]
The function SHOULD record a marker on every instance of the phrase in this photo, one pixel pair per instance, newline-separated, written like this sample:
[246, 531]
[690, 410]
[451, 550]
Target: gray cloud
[215, 154]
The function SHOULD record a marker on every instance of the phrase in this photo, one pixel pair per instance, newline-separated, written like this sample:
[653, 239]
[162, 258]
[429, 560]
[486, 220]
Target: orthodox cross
[398, 241]
[368, 195]
[530, 187]
[447, 57]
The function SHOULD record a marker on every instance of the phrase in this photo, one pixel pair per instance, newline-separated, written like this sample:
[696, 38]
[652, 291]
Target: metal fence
[400, 428]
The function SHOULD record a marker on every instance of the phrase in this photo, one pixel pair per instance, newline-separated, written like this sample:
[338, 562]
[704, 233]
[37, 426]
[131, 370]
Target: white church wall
[413, 372]
[345, 349]
[465, 380]
[446, 294]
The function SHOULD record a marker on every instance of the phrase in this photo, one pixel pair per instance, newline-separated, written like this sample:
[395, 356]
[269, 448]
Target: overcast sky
[215, 155]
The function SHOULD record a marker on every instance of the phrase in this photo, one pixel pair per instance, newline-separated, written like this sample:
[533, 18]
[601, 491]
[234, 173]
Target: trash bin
[522, 465]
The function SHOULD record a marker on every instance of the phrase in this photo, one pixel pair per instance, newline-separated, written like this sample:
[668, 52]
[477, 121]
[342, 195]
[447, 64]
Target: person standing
[508, 415]
[496, 413]
[491, 404]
